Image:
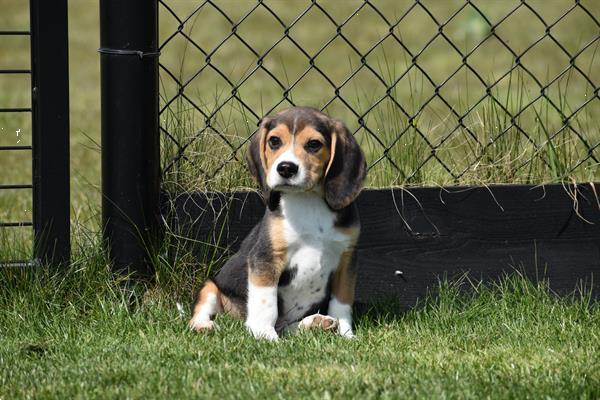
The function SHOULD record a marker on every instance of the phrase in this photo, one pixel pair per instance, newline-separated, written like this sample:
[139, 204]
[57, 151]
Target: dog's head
[302, 149]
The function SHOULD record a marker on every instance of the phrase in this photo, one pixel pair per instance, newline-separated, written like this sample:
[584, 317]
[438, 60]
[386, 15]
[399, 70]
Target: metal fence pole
[130, 135]
[50, 130]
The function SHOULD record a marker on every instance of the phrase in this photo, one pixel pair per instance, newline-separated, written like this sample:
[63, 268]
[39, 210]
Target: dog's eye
[313, 146]
[274, 142]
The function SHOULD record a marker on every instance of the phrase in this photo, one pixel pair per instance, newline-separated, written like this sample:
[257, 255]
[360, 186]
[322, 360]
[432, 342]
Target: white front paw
[343, 312]
[263, 332]
[348, 334]
[345, 329]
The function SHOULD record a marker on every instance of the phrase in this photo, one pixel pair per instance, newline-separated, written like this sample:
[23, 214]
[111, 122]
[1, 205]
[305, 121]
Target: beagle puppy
[297, 267]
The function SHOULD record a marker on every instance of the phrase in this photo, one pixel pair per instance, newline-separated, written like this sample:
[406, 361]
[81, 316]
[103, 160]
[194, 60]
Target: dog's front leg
[262, 307]
[342, 294]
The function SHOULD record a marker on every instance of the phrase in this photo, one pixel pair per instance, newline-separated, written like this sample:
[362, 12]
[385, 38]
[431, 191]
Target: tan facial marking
[344, 279]
[285, 136]
[314, 162]
[332, 147]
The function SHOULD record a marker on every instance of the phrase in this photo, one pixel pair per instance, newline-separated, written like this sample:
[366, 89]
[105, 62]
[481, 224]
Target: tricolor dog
[297, 267]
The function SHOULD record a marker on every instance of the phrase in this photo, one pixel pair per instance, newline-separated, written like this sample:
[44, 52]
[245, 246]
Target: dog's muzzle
[287, 169]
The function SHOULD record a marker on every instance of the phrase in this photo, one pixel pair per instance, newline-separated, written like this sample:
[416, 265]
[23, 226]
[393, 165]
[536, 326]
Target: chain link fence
[16, 200]
[452, 92]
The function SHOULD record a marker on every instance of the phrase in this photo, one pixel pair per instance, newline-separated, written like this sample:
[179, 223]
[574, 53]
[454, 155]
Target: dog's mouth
[289, 187]
[286, 187]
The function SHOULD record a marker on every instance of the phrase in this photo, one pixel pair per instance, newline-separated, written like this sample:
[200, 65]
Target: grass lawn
[208, 162]
[79, 336]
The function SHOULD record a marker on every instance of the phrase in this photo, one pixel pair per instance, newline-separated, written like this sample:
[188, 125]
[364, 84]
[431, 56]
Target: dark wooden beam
[410, 238]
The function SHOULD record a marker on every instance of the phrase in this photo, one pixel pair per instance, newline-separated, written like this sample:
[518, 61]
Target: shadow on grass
[463, 297]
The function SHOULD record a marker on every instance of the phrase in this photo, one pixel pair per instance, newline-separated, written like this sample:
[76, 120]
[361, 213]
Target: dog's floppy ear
[255, 157]
[346, 170]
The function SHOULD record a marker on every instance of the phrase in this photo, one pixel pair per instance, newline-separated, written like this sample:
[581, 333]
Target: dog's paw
[348, 334]
[202, 326]
[345, 330]
[261, 332]
[324, 322]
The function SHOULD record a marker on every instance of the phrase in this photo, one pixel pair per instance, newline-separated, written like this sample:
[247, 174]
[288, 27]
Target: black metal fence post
[130, 136]
[50, 114]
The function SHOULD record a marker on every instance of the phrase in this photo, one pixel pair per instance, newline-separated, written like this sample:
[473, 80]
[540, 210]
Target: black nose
[287, 169]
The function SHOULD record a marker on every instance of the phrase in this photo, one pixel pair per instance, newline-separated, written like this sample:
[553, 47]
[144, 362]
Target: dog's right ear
[255, 157]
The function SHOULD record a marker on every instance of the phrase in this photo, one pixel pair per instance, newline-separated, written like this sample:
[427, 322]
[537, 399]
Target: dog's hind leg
[206, 305]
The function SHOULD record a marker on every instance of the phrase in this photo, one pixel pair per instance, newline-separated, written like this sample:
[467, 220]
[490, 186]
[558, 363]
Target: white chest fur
[314, 250]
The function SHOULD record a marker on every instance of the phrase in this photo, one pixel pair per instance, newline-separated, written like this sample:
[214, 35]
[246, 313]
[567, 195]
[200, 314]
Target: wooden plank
[425, 233]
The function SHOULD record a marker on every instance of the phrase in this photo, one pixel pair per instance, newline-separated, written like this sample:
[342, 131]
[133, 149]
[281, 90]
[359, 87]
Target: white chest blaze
[314, 250]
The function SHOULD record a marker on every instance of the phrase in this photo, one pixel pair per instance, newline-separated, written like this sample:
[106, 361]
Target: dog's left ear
[255, 157]
[346, 170]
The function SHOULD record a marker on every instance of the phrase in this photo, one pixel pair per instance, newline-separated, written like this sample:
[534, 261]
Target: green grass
[208, 165]
[79, 334]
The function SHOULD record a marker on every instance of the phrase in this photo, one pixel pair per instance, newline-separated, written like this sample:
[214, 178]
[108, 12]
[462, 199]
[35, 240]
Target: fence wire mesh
[15, 142]
[452, 92]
